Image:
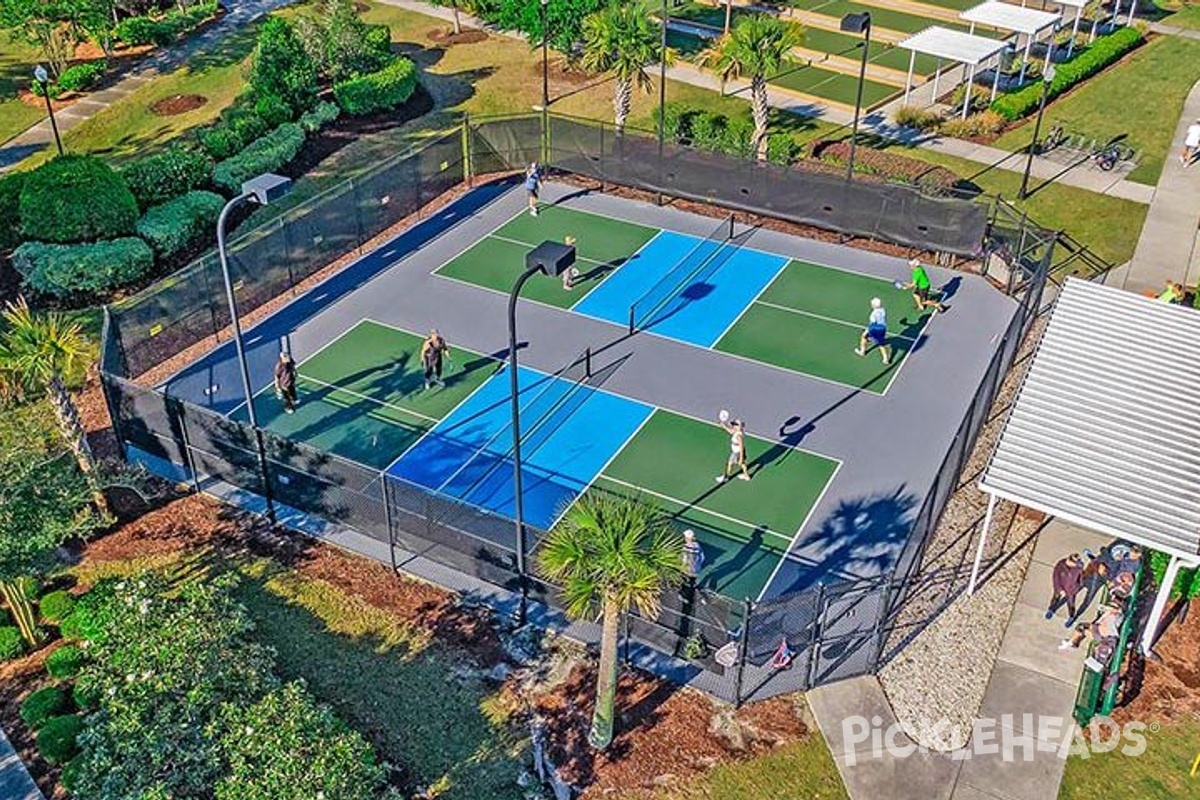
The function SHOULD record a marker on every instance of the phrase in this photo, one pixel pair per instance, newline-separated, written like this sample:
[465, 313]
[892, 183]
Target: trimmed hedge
[76, 198]
[44, 704]
[163, 176]
[1098, 55]
[378, 91]
[708, 130]
[219, 141]
[321, 115]
[81, 77]
[56, 605]
[11, 643]
[869, 161]
[65, 270]
[10, 209]
[263, 155]
[178, 224]
[147, 30]
[65, 662]
[57, 740]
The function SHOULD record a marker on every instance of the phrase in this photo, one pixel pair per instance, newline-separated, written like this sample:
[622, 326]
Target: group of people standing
[1114, 569]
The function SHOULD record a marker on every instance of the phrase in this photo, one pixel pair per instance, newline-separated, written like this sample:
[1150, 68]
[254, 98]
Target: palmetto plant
[756, 47]
[622, 40]
[610, 554]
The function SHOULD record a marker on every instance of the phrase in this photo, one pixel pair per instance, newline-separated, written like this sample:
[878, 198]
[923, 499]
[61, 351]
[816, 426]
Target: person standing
[533, 185]
[693, 555]
[285, 381]
[876, 332]
[737, 451]
[1067, 580]
[922, 289]
[1191, 144]
[433, 350]
[1094, 578]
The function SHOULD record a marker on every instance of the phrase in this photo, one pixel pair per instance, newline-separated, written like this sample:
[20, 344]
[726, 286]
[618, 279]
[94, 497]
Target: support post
[970, 87]
[747, 612]
[937, 79]
[987, 524]
[912, 58]
[514, 386]
[1074, 32]
[862, 78]
[662, 98]
[1025, 58]
[995, 81]
[1150, 633]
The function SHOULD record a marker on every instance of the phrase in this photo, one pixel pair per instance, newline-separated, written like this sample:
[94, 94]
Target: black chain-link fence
[736, 648]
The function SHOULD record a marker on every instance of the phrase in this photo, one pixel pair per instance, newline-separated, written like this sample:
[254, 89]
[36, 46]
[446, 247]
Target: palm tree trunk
[457, 21]
[76, 438]
[601, 733]
[22, 610]
[759, 109]
[623, 102]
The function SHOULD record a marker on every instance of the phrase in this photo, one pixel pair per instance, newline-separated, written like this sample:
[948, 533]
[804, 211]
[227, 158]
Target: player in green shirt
[922, 289]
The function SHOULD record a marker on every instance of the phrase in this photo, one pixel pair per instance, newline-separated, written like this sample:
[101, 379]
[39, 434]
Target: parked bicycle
[1053, 139]
[1109, 155]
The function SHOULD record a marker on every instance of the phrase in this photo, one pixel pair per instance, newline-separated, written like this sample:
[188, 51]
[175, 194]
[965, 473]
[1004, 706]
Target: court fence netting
[835, 629]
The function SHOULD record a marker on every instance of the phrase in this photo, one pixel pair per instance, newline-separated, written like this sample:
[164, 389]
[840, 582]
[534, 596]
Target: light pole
[40, 75]
[1047, 78]
[662, 98]
[545, 58]
[263, 189]
[548, 258]
[858, 23]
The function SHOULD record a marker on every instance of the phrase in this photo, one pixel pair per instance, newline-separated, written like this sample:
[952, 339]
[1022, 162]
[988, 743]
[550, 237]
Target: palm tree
[611, 554]
[757, 46]
[37, 353]
[621, 39]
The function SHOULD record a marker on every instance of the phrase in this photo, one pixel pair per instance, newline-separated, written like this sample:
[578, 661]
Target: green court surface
[601, 245]
[809, 320]
[836, 86]
[363, 398]
[881, 53]
[746, 526]
[881, 17]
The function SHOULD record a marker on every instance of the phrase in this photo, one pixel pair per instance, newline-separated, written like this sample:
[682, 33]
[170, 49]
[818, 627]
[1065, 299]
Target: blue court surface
[727, 281]
[570, 431]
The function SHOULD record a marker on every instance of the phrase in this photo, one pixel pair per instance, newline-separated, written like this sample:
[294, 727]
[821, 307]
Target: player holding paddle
[737, 448]
[433, 349]
[921, 288]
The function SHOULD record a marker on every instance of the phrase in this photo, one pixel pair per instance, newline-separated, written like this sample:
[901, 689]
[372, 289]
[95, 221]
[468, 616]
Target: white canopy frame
[1022, 21]
[945, 44]
[1078, 5]
[1103, 432]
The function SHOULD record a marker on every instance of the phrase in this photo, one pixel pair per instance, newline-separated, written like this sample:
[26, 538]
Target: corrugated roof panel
[1105, 429]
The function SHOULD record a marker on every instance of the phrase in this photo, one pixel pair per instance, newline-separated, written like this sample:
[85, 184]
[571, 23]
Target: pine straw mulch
[664, 735]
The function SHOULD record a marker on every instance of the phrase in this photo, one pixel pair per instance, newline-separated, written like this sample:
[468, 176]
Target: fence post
[358, 222]
[625, 638]
[743, 652]
[388, 521]
[187, 446]
[468, 173]
[819, 621]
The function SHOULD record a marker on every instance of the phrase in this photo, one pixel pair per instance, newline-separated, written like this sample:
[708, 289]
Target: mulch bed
[177, 104]
[447, 38]
[17, 679]
[1168, 690]
[561, 71]
[664, 735]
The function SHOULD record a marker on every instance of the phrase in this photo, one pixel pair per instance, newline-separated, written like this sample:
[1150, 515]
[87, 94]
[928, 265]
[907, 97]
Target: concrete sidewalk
[41, 135]
[1029, 696]
[15, 783]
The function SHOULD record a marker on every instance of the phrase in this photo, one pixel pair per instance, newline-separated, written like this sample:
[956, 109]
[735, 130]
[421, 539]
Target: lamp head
[267, 188]
[856, 23]
[39, 74]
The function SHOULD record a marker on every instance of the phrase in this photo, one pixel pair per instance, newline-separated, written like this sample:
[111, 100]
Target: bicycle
[1109, 155]
[1053, 139]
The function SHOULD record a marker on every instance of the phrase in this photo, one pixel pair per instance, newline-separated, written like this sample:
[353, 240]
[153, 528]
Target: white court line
[787, 554]
[613, 271]
[782, 268]
[531, 245]
[360, 396]
[855, 325]
[908, 356]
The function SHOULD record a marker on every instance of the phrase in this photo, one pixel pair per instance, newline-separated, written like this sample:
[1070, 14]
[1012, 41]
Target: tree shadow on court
[861, 537]
[749, 550]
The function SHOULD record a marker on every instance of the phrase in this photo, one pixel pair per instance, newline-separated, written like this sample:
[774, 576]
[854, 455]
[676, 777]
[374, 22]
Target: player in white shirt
[876, 333]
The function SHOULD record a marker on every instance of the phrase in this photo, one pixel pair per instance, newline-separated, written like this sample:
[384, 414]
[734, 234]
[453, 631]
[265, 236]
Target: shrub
[52, 89]
[81, 77]
[86, 696]
[378, 39]
[10, 209]
[56, 741]
[137, 31]
[56, 605]
[178, 224]
[984, 123]
[11, 643]
[219, 141]
[378, 91]
[282, 68]
[64, 270]
[272, 111]
[244, 123]
[1098, 55]
[919, 118]
[937, 180]
[65, 662]
[321, 115]
[782, 149]
[160, 177]
[1187, 581]
[43, 705]
[263, 155]
[76, 198]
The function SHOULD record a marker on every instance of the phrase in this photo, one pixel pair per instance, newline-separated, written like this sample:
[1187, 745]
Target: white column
[937, 74]
[1050, 47]
[912, 58]
[995, 80]
[1074, 32]
[987, 524]
[1160, 603]
[1132, 10]
[967, 93]
[971, 30]
[1025, 58]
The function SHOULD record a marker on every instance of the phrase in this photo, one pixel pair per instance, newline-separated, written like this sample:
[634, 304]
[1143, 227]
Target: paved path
[41, 135]
[1031, 676]
[15, 783]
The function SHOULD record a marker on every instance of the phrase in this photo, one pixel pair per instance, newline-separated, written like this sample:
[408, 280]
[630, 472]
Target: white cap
[876, 302]
[914, 262]
[689, 534]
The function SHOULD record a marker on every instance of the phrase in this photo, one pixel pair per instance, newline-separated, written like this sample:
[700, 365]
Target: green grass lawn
[17, 59]
[1160, 773]
[1109, 225]
[1182, 15]
[801, 770]
[1140, 99]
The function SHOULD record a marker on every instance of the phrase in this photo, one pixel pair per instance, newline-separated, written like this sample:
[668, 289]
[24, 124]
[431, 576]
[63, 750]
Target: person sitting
[1172, 293]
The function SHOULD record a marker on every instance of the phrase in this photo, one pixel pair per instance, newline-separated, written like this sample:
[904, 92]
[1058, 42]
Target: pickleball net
[652, 306]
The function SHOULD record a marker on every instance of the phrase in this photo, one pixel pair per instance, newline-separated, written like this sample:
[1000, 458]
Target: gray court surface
[890, 446]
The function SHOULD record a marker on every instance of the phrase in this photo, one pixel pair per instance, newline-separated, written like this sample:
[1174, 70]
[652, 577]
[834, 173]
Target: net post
[587, 362]
[731, 226]
[632, 328]
[743, 652]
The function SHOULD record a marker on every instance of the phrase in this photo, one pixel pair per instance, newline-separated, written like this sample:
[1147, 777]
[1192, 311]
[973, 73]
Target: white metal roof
[1008, 17]
[1066, 3]
[1105, 431]
[953, 45]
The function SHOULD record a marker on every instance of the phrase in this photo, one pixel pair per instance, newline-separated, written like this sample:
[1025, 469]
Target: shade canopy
[1105, 431]
[951, 45]
[1008, 17]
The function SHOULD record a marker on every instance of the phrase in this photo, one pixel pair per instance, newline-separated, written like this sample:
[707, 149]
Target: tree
[40, 352]
[282, 68]
[757, 46]
[96, 19]
[564, 20]
[621, 39]
[41, 22]
[611, 554]
[341, 44]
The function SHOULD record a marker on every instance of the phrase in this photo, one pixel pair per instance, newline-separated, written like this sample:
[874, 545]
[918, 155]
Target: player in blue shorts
[876, 333]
